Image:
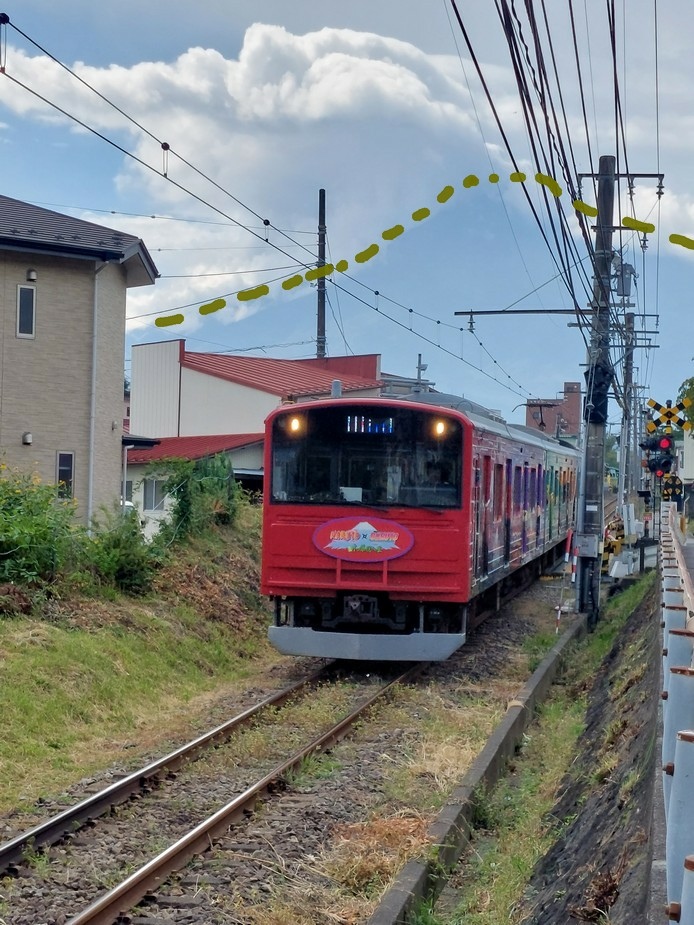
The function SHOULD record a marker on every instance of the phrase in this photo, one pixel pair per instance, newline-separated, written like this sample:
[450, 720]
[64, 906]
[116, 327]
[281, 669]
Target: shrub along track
[325, 851]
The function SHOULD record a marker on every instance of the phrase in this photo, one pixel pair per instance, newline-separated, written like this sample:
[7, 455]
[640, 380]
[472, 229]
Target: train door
[539, 501]
[517, 513]
[532, 506]
[498, 494]
[508, 503]
[477, 518]
[486, 505]
[525, 504]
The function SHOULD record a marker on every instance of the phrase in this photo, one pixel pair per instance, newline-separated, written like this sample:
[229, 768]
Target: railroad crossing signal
[673, 490]
[662, 459]
[672, 487]
[668, 415]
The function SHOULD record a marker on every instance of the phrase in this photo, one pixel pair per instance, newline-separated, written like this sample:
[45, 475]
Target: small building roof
[192, 447]
[283, 378]
[35, 230]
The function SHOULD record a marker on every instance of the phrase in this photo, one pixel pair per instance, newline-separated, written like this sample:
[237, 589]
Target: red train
[388, 523]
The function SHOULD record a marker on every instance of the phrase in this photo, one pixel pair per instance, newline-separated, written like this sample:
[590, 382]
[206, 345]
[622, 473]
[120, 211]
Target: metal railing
[677, 622]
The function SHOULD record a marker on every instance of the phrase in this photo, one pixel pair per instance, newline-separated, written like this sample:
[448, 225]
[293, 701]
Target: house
[176, 393]
[63, 285]
[245, 452]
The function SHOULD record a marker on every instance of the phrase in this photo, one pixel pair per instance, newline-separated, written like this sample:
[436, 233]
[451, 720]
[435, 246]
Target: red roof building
[194, 447]
[176, 393]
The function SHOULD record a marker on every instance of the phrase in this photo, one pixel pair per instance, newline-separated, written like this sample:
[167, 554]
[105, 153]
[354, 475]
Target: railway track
[239, 854]
[142, 781]
[94, 843]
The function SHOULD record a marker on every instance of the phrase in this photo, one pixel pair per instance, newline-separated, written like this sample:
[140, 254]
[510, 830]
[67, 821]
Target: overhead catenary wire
[561, 264]
[561, 237]
[164, 174]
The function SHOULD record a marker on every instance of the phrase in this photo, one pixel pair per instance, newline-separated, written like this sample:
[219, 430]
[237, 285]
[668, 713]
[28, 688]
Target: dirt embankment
[599, 869]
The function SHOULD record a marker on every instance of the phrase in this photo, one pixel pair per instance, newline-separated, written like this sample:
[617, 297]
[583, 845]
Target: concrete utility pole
[320, 325]
[598, 380]
[626, 477]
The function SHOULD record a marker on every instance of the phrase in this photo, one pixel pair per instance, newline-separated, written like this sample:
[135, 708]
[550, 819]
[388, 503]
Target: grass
[448, 737]
[65, 693]
[78, 687]
[536, 647]
[366, 855]
[514, 828]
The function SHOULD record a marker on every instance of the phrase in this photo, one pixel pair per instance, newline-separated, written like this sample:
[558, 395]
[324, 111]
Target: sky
[262, 103]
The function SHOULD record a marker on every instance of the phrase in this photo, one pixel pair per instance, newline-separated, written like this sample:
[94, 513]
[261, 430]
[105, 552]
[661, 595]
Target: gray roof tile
[24, 226]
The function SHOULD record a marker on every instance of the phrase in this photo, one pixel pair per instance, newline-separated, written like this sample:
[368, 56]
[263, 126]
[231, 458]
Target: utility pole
[320, 320]
[626, 478]
[598, 380]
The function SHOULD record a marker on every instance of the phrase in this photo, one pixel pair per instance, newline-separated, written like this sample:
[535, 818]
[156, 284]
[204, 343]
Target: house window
[128, 490]
[154, 494]
[65, 474]
[26, 311]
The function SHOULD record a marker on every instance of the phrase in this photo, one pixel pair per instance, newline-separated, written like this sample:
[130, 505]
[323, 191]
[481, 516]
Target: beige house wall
[46, 381]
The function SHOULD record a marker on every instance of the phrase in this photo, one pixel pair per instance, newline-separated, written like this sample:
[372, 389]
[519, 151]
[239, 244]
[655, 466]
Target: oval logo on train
[354, 540]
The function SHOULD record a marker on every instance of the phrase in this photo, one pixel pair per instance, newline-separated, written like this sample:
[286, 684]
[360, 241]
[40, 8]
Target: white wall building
[175, 393]
[245, 452]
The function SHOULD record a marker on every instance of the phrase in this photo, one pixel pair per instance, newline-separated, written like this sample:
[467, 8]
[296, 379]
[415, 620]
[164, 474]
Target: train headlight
[296, 424]
[440, 428]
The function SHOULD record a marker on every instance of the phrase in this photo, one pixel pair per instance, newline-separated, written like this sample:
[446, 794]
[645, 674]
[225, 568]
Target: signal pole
[598, 380]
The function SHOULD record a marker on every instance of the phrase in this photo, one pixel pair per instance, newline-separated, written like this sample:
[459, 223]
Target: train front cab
[364, 557]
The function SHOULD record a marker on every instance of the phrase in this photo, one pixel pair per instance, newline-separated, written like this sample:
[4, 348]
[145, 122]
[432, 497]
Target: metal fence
[677, 621]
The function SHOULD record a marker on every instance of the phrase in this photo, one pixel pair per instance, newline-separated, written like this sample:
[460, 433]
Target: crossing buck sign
[667, 415]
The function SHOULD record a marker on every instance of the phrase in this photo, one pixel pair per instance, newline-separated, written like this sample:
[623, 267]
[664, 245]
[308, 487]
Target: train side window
[498, 502]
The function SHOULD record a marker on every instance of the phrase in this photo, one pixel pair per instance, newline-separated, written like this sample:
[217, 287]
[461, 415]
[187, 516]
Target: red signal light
[665, 443]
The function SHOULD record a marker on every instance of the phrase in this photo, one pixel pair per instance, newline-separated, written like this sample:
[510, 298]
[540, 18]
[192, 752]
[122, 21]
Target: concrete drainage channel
[421, 880]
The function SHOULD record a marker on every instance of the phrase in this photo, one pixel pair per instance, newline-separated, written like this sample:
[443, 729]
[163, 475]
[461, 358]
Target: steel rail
[56, 827]
[121, 899]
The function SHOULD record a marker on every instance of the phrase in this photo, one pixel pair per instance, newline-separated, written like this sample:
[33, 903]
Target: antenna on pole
[320, 319]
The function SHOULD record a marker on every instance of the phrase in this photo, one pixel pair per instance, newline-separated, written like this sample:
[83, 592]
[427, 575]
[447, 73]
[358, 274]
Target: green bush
[204, 493]
[41, 544]
[36, 528]
[117, 554]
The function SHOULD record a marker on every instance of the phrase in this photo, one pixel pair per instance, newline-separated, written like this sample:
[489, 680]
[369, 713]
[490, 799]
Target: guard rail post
[679, 714]
[679, 839]
[678, 650]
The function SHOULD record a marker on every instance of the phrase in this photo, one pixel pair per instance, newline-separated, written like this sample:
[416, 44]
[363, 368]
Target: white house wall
[687, 475]
[216, 406]
[155, 389]
[248, 457]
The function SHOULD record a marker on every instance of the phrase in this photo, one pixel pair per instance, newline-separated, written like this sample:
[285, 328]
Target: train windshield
[357, 454]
